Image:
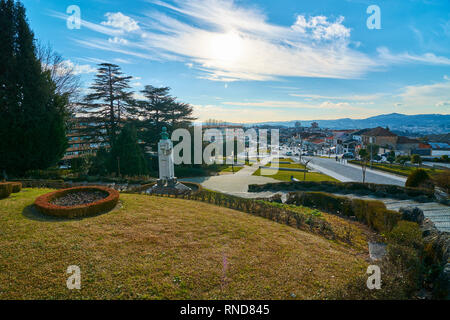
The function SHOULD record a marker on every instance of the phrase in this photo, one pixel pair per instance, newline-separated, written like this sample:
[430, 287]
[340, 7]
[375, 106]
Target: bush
[373, 213]
[442, 180]
[419, 178]
[406, 233]
[45, 205]
[6, 189]
[16, 187]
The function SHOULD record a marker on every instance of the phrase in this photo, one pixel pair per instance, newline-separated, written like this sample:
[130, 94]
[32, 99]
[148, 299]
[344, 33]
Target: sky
[255, 61]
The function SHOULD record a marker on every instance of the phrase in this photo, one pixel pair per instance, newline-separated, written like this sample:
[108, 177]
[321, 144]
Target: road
[349, 172]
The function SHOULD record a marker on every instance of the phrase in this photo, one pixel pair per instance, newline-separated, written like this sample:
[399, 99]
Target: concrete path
[237, 184]
[349, 172]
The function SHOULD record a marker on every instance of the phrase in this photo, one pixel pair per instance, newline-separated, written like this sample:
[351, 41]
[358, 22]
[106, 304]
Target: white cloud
[437, 94]
[319, 27]
[77, 68]
[89, 25]
[117, 40]
[443, 103]
[369, 97]
[428, 58]
[240, 44]
[120, 21]
[275, 104]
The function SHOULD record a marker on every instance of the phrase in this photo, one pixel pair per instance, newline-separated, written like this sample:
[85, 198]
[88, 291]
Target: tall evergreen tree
[32, 114]
[126, 156]
[108, 102]
[158, 110]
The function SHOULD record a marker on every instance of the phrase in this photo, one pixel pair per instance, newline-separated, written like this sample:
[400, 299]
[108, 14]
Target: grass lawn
[162, 248]
[230, 169]
[286, 175]
[396, 168]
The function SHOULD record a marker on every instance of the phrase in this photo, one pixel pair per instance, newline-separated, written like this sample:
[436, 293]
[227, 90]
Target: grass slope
[161, 248]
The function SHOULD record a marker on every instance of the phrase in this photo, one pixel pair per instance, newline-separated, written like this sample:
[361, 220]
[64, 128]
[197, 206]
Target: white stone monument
[167, 182]
[165, 156]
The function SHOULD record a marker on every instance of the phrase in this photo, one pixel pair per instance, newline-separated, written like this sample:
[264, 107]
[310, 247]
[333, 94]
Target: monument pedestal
[167, 182]
[171, 186]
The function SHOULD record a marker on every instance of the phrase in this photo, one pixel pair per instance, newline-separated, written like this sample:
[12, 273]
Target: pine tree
[126, 156]
[32, 114]
[158, 110]
[107, 105]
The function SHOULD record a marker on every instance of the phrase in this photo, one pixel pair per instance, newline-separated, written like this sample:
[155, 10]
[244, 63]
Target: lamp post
[371, 151]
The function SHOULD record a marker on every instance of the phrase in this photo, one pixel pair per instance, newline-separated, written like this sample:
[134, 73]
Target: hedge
[6, 189]
[16, 187]
[371, 212]
[45, 205]
[380, 190]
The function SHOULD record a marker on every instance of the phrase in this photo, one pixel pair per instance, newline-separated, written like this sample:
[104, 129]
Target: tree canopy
[33, 113]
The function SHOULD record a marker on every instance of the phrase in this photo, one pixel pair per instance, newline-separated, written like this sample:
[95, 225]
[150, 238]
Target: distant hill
[421, 124]
[445, 138]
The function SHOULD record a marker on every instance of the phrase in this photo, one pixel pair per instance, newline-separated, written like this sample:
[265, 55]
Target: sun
[226, 47]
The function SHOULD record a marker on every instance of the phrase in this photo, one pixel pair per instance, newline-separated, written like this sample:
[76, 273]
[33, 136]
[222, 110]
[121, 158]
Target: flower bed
[45, 203]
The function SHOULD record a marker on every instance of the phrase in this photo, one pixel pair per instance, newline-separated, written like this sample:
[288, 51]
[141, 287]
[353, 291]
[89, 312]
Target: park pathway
[237, 184]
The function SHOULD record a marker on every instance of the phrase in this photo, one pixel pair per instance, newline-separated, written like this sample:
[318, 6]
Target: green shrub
[419, 178]
[16, 187]
[442, 180]
[371, 212]
[6, 189]
[406, 233]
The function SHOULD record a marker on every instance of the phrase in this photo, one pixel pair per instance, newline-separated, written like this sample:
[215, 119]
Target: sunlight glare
[226, 47]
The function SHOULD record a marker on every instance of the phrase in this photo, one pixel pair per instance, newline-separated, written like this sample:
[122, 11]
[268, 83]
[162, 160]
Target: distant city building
[380, 136]
[81, 143]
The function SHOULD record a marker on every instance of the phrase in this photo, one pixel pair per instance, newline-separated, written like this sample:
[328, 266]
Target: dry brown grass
[162, 248]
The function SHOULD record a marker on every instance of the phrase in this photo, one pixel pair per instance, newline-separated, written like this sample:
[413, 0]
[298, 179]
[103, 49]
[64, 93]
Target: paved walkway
[237, 184]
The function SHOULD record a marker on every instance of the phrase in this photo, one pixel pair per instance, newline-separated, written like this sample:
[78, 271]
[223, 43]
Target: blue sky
[252, 61]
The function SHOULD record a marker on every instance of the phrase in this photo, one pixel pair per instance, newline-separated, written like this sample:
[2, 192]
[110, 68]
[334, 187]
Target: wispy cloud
[78, 68]
[436, 94]
[225, 41]
[274, 104]
[239, 43]
[369, 97]
[428, 58]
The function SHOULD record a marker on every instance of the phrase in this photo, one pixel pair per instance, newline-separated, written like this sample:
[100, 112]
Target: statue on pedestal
[167, 182]
[165, 157]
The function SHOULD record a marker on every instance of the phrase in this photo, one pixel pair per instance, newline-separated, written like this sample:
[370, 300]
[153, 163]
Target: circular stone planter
[45, 205]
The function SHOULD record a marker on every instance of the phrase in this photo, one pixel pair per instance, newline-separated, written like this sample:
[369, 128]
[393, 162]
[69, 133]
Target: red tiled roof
[424, 146]
[379, 132]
